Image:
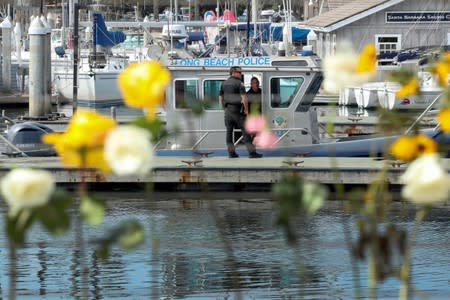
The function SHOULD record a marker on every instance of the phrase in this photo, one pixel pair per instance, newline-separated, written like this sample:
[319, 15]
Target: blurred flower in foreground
[347, 68]
[128, 150]
[409, 147]
[444, 119]
[143, 85]
[426, 182]
[404, 148]
[264, 137]
[442, 69]
[255, 123]
[27, 188]
[409, 88]
[82, 143]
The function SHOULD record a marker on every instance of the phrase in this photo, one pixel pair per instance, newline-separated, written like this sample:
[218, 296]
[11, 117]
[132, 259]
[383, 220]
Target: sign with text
[223, 61]
[417, 16]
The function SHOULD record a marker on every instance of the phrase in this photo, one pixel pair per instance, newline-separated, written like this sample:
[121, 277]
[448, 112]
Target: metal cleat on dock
[397, 163]
[354, 119]
[203, 153]
[300, 154]
[193, 163]
[13, 154]
[293, 163]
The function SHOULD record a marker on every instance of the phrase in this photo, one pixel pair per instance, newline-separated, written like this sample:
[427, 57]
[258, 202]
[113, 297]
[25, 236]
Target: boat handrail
[11, 145]
[420, 117]
[207, 132]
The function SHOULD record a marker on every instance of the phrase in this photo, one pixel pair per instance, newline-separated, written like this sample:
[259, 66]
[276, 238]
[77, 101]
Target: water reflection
[184, 255]
[41, 274]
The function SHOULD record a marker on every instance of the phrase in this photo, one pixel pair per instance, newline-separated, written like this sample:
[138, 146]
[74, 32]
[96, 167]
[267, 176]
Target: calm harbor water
[184, 257]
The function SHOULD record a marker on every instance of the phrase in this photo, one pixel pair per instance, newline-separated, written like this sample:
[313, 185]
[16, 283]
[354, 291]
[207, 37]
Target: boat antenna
[247, 46]
[41, 8]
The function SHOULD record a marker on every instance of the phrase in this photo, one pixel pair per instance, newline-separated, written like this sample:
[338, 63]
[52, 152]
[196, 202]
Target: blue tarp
[298, 34]
[102, 36]
[195, 36]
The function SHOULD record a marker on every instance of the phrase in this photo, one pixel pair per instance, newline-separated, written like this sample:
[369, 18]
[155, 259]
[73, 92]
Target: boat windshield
[284, 89]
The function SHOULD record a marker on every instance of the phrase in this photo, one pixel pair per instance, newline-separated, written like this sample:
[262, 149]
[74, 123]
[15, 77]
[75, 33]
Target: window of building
[283, 90]
[211, 90]
[185, 93]
[387, 48]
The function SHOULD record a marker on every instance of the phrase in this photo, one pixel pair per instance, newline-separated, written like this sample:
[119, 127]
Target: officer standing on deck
[234, 100]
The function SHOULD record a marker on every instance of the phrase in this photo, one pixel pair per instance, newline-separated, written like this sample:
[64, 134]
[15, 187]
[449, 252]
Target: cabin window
[283, 90]
[185, 93]
[211, 90]
[387, 48]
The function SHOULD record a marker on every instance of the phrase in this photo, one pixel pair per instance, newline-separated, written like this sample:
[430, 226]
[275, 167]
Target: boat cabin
[288, 84]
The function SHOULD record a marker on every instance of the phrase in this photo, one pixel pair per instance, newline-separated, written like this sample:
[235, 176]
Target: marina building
[392, 25]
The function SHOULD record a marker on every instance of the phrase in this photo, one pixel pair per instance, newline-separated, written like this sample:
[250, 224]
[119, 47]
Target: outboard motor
[27, 138]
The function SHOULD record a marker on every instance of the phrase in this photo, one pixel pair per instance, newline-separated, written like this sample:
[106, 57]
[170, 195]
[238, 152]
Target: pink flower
[255, 124]
[265, 139]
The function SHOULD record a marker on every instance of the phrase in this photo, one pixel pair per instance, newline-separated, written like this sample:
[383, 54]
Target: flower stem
[80, 238]
[405, 270]
[12, 269]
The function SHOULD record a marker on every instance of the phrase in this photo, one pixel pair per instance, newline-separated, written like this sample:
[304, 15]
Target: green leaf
[17, 225]
[289, 192]
[197, 106]
[92, 210]
[402, 76]
[314, 196]
[131, 234]
[155, 127]
[54, 215]
[103, 251]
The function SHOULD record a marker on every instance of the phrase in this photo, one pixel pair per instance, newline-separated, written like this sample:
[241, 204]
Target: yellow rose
[444, 119]
[367, 60]
[425, 144]
[404, 148]
[143, 85]
[82, 143]
[410, 88]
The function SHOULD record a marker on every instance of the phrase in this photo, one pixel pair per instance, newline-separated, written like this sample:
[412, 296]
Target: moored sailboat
[97, 72]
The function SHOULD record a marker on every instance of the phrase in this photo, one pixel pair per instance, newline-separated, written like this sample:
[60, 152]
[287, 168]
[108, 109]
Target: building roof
[333, 4]
[348, 12]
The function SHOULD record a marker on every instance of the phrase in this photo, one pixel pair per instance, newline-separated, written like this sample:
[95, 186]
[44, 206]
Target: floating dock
[223, 170]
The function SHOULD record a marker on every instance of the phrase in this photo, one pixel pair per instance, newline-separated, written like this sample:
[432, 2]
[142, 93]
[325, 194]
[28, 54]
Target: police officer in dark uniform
[234, 100]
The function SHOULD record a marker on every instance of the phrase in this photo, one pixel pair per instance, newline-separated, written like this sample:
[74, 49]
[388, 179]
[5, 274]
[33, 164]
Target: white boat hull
[389, 100]
[94, 89]
[347, 96]
[97, 87]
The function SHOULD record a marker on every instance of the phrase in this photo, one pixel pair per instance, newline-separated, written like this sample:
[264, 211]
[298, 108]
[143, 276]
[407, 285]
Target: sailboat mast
[247, 46]
[254, 16]
[75, 58]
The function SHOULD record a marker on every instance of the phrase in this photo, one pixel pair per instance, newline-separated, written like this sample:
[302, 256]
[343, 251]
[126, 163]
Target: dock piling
[37, 68]
[6, 53]
[47, 67]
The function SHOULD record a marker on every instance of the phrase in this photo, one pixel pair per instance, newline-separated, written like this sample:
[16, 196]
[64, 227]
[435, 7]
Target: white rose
[340, 70]
[128, 150]
[27, 188]
[426, 182]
